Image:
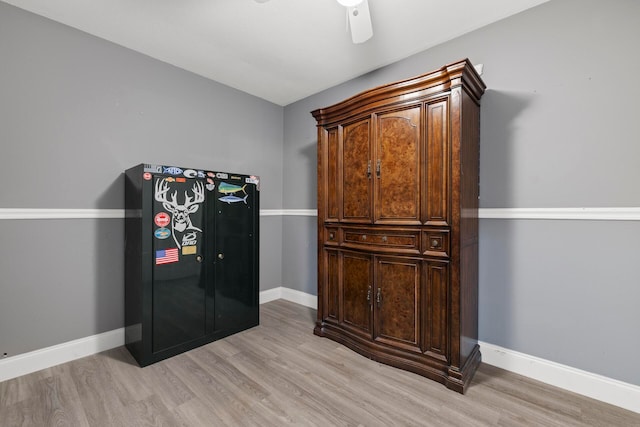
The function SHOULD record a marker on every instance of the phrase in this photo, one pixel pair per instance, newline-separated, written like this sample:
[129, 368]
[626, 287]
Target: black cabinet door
[179, 278]
[236, 213]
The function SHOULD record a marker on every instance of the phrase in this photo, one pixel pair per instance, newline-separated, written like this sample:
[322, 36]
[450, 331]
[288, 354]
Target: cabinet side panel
[133, 261]
[469, 192]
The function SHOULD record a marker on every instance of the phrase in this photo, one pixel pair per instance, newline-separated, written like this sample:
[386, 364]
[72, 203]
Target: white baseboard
[289, 294]
[595, 386]
[588, 384]
[26, 363]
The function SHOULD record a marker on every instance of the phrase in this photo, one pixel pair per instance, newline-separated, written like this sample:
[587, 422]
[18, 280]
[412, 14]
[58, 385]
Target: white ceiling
[281, 50]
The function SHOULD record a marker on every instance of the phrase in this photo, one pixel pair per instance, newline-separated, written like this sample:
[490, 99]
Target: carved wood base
[418, 363]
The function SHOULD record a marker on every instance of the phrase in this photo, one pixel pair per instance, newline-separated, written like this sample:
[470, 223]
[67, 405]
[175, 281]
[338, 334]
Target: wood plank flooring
[280, 374]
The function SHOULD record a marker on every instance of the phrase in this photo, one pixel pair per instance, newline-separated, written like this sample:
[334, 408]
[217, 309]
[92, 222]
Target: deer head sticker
[180, 213]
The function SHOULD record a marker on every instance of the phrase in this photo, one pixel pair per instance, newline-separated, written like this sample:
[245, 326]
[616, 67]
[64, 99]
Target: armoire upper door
[356, 171]
[397, 167]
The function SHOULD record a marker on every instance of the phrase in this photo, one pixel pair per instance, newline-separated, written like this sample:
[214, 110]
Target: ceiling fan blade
[360, 22]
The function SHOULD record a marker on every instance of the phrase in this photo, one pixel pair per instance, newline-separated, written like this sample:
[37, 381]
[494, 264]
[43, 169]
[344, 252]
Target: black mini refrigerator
[191, 258]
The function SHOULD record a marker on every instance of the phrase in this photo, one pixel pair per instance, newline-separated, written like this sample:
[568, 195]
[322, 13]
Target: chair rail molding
[587, 213]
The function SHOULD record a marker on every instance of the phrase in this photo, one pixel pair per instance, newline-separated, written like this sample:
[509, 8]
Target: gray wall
[75, 112]
[558, 130]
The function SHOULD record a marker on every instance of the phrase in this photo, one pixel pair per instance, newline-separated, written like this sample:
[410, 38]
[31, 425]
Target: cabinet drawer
[384, 240]
[436, 243]
[331, 236]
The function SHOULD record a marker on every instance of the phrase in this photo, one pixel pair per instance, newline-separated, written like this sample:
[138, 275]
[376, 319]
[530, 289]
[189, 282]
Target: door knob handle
[220, 256]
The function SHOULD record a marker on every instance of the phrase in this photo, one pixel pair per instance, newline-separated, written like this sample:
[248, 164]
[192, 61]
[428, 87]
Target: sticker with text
[189, 250]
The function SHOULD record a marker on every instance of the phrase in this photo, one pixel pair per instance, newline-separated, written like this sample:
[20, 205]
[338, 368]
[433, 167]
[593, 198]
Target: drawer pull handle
[435, 243]
[384, 239]
[364, 237]
[332, 235]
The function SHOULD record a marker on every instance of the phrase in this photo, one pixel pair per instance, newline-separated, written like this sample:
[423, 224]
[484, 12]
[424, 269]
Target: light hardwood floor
[279, 374]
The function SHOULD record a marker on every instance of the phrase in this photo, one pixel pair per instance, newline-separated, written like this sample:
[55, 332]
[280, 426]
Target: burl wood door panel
[356, 172]
[397, 301]
[357, 281]
[397, 167]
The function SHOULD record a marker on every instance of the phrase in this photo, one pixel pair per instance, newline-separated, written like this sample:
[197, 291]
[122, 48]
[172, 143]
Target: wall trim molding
[34, 213]
[289, 212]
[595, 386]
[588, 384]
[11, 213]
[598, 214]
[601, 214]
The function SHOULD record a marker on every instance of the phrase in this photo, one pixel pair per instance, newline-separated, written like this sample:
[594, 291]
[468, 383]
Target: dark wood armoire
[398, 223]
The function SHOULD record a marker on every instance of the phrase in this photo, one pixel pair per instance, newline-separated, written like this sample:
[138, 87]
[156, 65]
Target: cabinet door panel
[331, 190]
[397, 167]
[437, 279]
[397, 299]
[331, 281]
[437, 163]
[357, 279]
[356, 172]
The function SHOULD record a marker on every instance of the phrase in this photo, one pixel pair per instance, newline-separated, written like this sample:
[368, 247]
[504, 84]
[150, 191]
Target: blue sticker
[172, 170]
[162, 233]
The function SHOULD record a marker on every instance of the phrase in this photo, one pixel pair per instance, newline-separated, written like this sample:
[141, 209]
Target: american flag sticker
[166, 256]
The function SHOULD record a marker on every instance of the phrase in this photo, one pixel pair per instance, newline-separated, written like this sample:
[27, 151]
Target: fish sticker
[172, 170]
[233, 199]
[226, 188]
